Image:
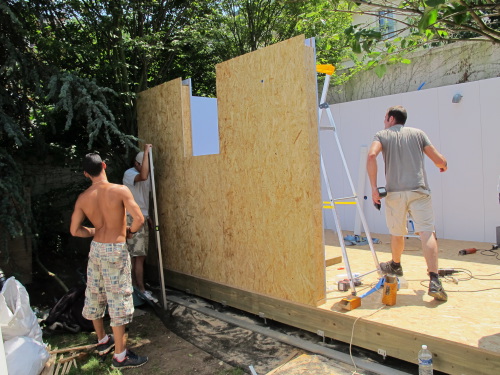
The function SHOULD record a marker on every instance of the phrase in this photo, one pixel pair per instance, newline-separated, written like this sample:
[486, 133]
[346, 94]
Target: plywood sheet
[160, 119]
[270, 170]
[311, 364]
[249, 217]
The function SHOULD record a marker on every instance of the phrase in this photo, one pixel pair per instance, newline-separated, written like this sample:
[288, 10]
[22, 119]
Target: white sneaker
[149, 296]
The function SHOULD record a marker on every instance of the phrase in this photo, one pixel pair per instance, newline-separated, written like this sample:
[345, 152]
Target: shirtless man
[108, 272]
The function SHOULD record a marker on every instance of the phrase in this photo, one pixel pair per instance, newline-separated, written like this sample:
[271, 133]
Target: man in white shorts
[403, 149]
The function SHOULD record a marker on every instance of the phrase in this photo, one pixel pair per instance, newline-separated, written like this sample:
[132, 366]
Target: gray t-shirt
[403, 151]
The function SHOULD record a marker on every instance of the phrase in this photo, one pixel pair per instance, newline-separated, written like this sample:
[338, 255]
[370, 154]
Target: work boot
[436, 290]
[105, 348]
[131, 360]
[390, 268]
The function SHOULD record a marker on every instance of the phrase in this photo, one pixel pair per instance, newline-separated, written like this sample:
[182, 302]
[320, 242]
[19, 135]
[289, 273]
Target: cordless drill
[382, 192]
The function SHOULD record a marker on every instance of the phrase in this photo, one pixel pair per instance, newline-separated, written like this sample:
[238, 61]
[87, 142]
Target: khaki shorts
[138, 244]
[109, 282]
[399, 204]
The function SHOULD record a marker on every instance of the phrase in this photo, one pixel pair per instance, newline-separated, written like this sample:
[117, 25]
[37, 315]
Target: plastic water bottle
[424, 361]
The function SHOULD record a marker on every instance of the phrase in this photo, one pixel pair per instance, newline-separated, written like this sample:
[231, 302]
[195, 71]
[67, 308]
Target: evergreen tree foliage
[71, 70]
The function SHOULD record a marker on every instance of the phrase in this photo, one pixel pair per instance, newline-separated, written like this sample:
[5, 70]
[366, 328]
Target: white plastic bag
[25, 356]
[16, 313]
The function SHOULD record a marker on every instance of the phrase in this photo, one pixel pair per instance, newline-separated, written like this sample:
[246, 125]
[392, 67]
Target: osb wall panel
[250, 217]
[160, 123]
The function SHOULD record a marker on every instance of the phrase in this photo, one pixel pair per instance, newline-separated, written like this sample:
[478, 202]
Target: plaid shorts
[138, 244]
[109, 281]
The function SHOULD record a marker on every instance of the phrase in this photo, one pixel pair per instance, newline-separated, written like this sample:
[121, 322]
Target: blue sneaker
[131, 360]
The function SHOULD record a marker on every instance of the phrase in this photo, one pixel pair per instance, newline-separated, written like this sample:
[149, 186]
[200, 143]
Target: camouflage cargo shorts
[138, 244]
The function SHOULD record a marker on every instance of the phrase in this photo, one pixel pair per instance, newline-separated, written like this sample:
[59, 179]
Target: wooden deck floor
[469, 317]
[463, 333]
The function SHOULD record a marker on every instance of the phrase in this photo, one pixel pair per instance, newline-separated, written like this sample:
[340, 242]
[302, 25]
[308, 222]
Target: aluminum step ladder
[324, 108]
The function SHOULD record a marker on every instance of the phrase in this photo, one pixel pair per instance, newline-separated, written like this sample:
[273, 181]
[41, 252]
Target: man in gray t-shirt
[408, 192]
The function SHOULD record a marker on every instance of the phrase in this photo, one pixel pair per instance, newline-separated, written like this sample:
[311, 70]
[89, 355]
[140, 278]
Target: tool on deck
[343, 285]
[446, 271]
[471, 250]
[390, 285]
[350, 303]
[390, 290]
[353, 301]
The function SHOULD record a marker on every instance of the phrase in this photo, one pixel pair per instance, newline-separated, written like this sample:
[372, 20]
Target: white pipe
[361, 187]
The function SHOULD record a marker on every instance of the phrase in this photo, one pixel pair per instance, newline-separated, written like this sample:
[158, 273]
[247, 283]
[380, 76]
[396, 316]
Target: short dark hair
[399, 113]
[92, 164]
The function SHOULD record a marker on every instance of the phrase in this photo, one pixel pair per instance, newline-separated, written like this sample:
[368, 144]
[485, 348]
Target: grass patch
[93, 366]
[68, 340]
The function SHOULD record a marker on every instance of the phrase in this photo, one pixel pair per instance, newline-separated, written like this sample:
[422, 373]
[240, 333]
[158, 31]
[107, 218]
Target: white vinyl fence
[467, 133]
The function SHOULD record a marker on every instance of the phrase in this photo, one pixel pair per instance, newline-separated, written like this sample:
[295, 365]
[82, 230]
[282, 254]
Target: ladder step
[344, 198]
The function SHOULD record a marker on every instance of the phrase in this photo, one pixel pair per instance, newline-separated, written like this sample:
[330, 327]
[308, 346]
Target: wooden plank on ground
[331, 261]
[309, 364]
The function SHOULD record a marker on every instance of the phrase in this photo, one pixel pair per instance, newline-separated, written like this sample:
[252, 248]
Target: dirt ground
[180, 340]
[168, 353]
[184, 341]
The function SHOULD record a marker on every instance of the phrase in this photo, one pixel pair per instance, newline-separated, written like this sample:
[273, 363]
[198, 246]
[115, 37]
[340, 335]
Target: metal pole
[157, 231]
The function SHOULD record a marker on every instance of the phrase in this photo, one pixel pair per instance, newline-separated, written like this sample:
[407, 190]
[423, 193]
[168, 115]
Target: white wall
[465, 198]
[204, 126]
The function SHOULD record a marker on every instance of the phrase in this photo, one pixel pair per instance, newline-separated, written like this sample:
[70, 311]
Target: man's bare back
[104, 204]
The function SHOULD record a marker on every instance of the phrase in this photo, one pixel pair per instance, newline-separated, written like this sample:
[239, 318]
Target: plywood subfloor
[471, 314]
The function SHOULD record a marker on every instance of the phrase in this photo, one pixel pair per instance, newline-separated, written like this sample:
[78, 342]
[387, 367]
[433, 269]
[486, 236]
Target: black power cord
[446, 273]
[493, 252]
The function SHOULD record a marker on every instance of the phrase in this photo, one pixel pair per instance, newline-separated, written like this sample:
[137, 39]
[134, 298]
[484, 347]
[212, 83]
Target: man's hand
[76, 227]
[147, 147]
[129, 235]
[375, 196]
[438, 159]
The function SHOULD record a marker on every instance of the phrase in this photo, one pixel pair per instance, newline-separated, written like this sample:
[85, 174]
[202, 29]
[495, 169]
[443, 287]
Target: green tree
[70, 71]
[236, 27]
[420, 24]
[47, 115]
[246, 25]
